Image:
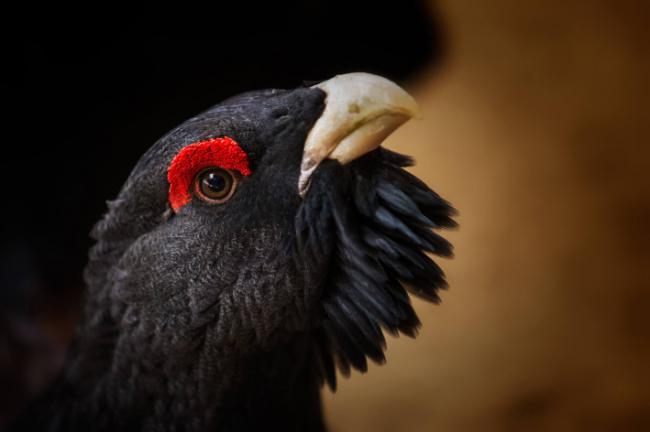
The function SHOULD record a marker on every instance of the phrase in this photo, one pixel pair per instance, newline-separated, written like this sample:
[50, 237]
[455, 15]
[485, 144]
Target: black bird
[253, 250]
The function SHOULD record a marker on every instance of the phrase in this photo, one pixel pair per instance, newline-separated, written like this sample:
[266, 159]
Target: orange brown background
[536, 126]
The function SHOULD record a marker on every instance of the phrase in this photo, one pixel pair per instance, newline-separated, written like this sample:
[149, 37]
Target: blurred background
[536, 127]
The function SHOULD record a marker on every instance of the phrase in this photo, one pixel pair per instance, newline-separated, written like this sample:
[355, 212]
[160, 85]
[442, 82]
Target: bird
[254, 252]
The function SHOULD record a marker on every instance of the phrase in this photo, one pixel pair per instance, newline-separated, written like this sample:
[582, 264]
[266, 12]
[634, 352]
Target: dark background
[89, 91]
[536, 125]
[86, 91]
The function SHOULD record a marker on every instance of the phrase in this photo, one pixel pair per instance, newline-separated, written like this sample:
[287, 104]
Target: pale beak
[361, 110]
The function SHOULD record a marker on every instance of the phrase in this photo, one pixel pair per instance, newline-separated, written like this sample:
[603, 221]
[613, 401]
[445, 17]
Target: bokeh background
[536, 126]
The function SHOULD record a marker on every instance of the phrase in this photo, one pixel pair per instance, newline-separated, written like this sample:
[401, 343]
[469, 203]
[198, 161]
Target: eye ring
[215, 185]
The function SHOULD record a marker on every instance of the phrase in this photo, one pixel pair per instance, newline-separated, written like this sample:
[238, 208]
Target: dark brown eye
[215, 185]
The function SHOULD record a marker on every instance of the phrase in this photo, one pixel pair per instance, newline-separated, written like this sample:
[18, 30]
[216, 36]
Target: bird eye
[215, 185]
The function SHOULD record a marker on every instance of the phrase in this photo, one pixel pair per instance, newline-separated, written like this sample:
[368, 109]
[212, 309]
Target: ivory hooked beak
[361, 110]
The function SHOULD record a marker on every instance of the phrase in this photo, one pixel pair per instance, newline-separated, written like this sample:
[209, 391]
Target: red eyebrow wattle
[221, 152]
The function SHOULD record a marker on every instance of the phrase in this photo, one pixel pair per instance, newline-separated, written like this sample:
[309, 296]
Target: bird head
[273, 214]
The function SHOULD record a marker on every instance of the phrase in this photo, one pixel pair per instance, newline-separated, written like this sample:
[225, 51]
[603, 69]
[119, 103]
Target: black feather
[226, 317]
[383, 219]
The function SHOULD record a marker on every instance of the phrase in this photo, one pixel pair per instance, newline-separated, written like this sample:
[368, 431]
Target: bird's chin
[361, 111]
[366, 230]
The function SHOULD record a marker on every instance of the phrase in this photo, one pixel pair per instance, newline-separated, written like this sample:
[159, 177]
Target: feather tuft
[377, 221]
